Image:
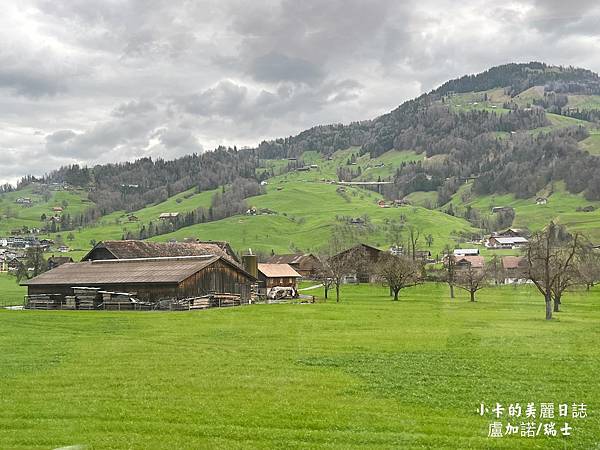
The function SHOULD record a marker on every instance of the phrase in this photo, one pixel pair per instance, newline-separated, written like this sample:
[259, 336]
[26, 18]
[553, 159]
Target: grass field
[10, 292]
[364, 373]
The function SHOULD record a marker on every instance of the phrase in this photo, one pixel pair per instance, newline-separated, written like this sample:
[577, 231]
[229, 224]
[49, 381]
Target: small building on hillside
[306, 264]
[498, 242]
[467, 262]
[541, 201]
[512, 232]
[148, 279]
[515, 269]
[277, 275]
[133, 249]
[170, 216]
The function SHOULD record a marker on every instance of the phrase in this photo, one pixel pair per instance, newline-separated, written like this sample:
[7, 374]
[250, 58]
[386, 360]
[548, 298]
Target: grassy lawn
[10, 292]
[367, 372]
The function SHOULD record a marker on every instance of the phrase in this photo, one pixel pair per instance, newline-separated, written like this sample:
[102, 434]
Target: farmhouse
[541, 201]
[149, 279]
[466, 262]
[55, 261]
[512, 232]
[498, 209]
[515, 269]
[366, 257]
[306, 264]
[145, 249]
[506, 242]
[169, 216]
[277, 275]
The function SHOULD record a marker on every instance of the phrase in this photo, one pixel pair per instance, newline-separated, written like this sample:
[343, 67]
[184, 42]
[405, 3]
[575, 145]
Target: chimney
[250, 263]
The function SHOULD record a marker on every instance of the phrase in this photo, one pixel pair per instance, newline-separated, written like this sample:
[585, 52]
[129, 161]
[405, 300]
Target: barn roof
[278, 270]
[510, 240]
[476, 262]
[131, 249]
[293, 258]
[513, 262]
[126, 271]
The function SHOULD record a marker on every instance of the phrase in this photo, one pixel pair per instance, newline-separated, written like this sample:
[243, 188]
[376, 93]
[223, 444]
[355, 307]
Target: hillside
[511, 134]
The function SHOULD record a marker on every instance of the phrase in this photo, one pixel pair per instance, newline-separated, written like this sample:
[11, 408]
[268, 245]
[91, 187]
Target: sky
[96, 81]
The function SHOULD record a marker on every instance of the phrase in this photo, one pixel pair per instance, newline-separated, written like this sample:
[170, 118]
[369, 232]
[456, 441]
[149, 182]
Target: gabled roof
[476, 262]
[278, 271]
[126, 271]
[146, 249]
[513, 262]
[293, 258]
[510, 240]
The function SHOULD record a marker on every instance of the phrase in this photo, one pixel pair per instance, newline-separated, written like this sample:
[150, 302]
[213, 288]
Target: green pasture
[365, 373]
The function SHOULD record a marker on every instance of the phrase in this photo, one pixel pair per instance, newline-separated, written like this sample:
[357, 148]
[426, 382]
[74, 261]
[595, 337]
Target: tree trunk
[396, 294]
[472, 295]
[548, 307]
[451, 291]
[337, 293]
[391, 291]
[557, 304]
[326, 290]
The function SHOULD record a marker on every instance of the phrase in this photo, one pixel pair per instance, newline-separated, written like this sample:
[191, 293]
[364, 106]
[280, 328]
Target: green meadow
[365, 373]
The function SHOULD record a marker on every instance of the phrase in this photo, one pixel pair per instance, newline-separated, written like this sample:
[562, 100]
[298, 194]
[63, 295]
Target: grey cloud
[223, 99]
[134, 107]
[276, 67]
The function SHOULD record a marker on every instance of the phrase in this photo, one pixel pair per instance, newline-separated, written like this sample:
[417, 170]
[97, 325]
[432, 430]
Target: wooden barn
[365, 258]
[150, 279]
[306, 264]
[132, 249]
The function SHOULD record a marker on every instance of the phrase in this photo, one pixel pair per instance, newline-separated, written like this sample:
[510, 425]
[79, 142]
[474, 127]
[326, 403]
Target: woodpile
[117, 301]
[87, 298]
[44, 301]
[206, 301]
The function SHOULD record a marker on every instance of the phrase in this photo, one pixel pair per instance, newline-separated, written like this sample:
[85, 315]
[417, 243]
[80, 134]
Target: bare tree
[472, 280]
[413, 237]
[34, 264]
[429, 240]
[550, 253]
[588, 267]
[336, 264]
[398, 272]
[450, 269]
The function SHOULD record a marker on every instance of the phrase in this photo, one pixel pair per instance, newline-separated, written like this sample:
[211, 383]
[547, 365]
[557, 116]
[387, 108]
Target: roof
[293, 258]
[145, 249]
[475, 261]
[513, 262]
[278, 271]
[464, 251]
[510, 240]
[125, 271]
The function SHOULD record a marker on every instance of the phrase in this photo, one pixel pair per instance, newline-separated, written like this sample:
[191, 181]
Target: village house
[512, 232]
[277, 275]
[366, 257]
[515, 269]
[497, 209]
[171, 216]
[148, 279]
[466, 262]
[541, 201]
[498, 242]
[306, 264]
[424, 256]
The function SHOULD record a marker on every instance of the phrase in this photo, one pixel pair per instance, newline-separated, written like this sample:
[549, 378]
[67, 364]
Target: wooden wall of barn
[218, 277]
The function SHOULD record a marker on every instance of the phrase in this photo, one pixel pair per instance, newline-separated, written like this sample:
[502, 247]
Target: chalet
[515, 269]
[277, 275]
[466, 252]
[541, 201]
[57, 209]
[63, 249]
[306, 264]
[401, 202]
[365, 257]
[506, 242]
[150, 279]
[169, 216]
[23, 201]
[512, 232]
[55, 261]
[467, 262]
[397, 250]
[15, 264]
[132, 218]
[131, 249]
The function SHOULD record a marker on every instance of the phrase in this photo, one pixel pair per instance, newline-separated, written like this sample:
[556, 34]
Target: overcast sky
[94, 81]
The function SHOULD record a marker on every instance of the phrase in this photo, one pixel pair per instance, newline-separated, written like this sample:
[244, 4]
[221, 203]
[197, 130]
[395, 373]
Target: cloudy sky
[108, 80]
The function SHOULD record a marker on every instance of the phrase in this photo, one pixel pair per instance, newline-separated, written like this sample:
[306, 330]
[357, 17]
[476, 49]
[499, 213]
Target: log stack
[117, 300]
[87, 298]
[44, 301]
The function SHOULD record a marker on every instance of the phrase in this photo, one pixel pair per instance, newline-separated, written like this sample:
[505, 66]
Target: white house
[506, 242]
